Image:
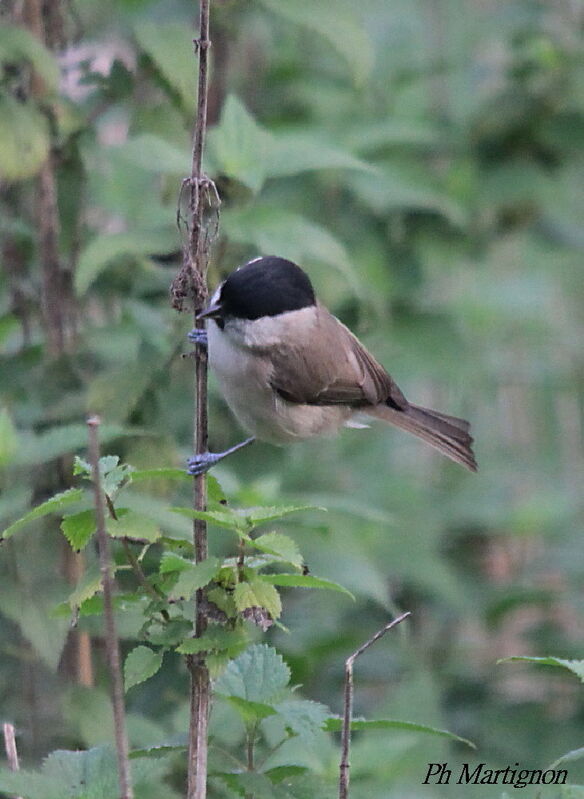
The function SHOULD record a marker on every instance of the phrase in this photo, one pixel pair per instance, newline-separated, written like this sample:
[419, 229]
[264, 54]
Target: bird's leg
[198, 336]
[201, 463]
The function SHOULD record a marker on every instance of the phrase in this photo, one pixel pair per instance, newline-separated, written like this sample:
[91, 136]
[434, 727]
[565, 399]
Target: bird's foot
[198, 336]
[203, 461]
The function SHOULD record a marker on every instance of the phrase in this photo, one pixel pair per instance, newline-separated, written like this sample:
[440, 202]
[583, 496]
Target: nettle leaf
[258, 675]
[130, 524]
[141, 664]
[261, 515]
[271, 229]
[251, 712]
[303, 717]
[228, 519]
[78, 528]
[281, 546]
[334, 724]
[8, 438]
[196, 576]
[53, 505]
[24, 139]
[575, 666]
[171, 562]
[257, 594]
[171, 50]
[104, 249]
[216, 639]
[154, 154]
[304, 581]
[338, 24]
[88, 586]
[250, 783]
[238, 145]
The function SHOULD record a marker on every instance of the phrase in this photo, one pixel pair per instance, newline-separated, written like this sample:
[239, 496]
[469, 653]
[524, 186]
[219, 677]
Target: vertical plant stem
[11, 750]
[111, 638]
[198, 257]
[344, 765]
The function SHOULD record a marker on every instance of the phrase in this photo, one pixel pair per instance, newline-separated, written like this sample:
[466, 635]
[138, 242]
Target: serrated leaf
[8, 438]
[238, 145]
[130, 524]
[304, 581]
[575, 666]
[283, 547]
[78, 528]
[303, 717]
[171, 49]
[104, 249]
[197, 576]
[334, 724]
[338, 24]
[259, 675]
[215, 639]
[228, 519]
[141, 664]
[171, 562]
[250, 784]
[294, 153]
[53, 505]
[24, 139]
[88, 586]
[261, 515]
[257, 594]
[251, 712]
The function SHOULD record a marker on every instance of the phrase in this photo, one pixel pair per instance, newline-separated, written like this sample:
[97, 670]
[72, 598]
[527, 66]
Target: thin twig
[111, 638]
[198, 252]
[348, 705]
[11, 750]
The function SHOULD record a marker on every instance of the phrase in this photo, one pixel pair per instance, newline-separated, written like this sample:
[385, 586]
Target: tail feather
[448, 434]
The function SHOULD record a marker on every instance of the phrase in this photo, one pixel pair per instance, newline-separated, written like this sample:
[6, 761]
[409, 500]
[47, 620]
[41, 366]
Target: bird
[290, 370]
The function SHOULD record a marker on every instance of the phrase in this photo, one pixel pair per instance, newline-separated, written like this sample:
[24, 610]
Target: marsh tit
[290, 370]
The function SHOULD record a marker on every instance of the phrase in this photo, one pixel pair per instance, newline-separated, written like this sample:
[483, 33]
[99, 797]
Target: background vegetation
[423, 161]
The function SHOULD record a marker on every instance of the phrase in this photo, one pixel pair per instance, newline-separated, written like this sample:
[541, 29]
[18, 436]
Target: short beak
[212, 311]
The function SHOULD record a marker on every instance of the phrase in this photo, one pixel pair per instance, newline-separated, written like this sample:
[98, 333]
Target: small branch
[348, 705]
[111, 638]
[10, 747]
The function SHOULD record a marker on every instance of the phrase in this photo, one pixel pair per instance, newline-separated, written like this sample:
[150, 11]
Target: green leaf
[78, 528]
[155, 155]
[215, 639]
[171, 562]
[304, 581]
[251, 712]
[64, 439]
[228, 519]
[24, 139]
[292, 236]
[283, 547]
[141, 664]
[296, 152]
[170, 46]
[8, 438]
[88, 586]
[130, 524]
[53, 505]
[257, 594]
[303, 717]
[261, 515]
[259, 675]
[106, 248]
[17, 44]
[334, 724]
[238, 145]
[197, 576]
[338, 23]
[575, 666]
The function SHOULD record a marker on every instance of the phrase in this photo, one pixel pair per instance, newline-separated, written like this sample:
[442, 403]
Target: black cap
[266, 287]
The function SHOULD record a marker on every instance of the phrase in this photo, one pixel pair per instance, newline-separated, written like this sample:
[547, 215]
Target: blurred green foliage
[423, 161]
